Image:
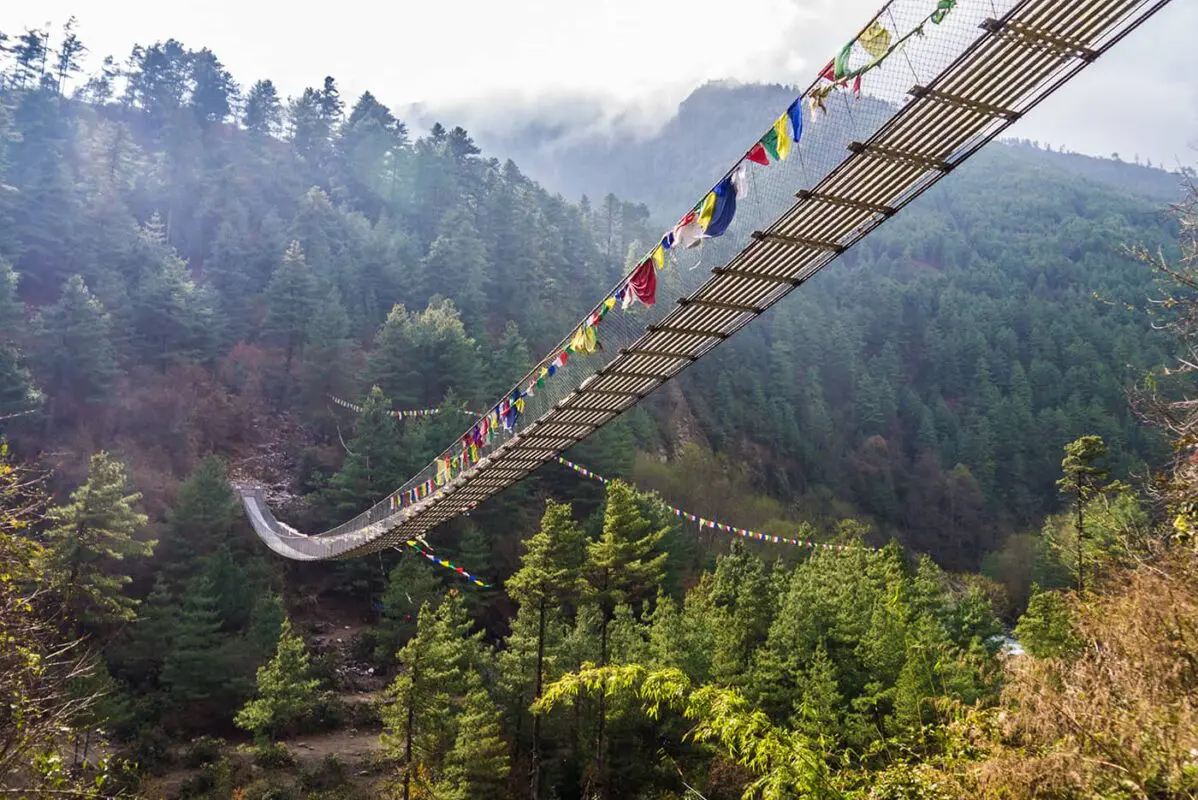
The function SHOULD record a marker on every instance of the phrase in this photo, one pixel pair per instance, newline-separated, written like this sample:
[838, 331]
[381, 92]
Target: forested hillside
[191, 268]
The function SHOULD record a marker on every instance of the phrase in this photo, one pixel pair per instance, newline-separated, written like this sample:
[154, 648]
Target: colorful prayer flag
[757, 155]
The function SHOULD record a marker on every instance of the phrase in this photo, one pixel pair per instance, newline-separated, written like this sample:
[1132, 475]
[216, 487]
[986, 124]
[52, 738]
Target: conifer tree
[74, 358]
[457, 259]
[419, 359]
[285, 692]
[291, 303]
[194, 670]
[478, 764]
[621, 567]
[212, 87]
[173, 318]
[438, 669]
[263, 115]
[410, 585]
[139, 652]
[550, 572]
[203, 517]
[266, 620]
[1082, 479]
[93, 531]
[327, 357]
[17, 392]
[372, 467]
[509, 361]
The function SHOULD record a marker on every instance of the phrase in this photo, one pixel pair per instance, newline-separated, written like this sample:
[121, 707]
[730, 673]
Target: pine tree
[1083, 480]
[438, 668]
[1046, 629]
[194, 672]
[478, 764]
[620, 568]
[212, 88]
[236, 582]
[410, 585]
[327, 359]
[285, 692]
[419, 359]
[547, 578]
[291, 304]
[173, 318]
[473, 553]
[203, 517]
[509, 361]
[91, 532]
[372, 468]
[263, 114]
[458, 259]
[74, 359]
[139, 653]
[17, 392]
[310, 131]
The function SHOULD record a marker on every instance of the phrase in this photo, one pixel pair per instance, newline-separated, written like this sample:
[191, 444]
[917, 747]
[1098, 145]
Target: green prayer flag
[770, 143]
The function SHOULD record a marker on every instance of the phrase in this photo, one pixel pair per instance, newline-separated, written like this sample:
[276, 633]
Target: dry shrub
[1120, 720]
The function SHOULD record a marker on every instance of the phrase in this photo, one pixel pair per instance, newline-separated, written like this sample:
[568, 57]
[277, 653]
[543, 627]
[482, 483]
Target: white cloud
[631, 58]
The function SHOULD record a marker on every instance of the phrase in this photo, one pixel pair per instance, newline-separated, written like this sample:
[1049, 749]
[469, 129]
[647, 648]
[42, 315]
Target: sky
[633, 58]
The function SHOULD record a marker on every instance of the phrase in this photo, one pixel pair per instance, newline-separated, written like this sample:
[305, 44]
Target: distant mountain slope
[712, 128]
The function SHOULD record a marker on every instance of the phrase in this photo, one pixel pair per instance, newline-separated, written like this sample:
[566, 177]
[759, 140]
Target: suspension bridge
[921, 88]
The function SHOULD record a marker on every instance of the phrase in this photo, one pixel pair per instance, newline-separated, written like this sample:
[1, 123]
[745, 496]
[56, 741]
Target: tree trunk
[1081, 533]
[535, 778]
[600, 761]
[411, 726]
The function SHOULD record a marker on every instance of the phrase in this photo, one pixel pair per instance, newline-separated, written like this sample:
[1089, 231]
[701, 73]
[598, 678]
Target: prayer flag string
[441, 562]
[398, 413]
[703, 522]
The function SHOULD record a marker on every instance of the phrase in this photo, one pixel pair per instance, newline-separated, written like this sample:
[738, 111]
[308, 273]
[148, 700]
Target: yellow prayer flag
[782, 128]
[707, 210]
[875, 40]
[584, 341]
[659, 257]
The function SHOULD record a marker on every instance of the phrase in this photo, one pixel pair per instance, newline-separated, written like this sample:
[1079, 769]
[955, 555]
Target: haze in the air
[483, 63]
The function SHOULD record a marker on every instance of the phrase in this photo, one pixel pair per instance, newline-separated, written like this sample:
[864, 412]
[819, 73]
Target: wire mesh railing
[908, 46]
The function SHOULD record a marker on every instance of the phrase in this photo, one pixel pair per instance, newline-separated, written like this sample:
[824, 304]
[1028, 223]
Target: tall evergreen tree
[74, 359]
[327, 362]
[95, 529]
[547, 578]
[17, 391]
[410, 585]
[621, 567]
[478, 764]
[194, 672]
[372, 467]
[438, 669]
[285, 692]
[263, 114]
[203, 516]
[419, 358]
[292, 302]
[1083, 480]
[213, 89]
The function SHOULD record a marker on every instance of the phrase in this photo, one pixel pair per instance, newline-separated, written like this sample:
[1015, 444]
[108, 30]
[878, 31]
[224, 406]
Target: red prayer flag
[757, 155]
[644, 282]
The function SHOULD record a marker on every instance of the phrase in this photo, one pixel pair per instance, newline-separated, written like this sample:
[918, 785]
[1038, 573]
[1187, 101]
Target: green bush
[269, 789]
[204, 750]
[329, 773]
[273, 755]
[151, 750]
